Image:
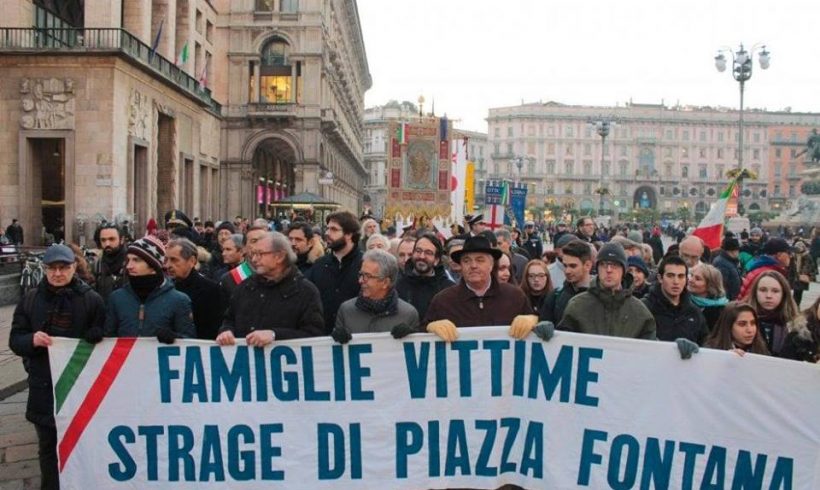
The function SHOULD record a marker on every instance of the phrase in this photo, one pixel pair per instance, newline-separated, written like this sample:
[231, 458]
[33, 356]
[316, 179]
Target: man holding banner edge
[480, 300]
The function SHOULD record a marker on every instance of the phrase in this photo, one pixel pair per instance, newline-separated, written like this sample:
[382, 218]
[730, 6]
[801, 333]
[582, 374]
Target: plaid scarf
[389, 305]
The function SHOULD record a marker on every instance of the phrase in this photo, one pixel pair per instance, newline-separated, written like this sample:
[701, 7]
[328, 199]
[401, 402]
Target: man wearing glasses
[336, 274]
[277, 302]
[378, 307]
[424, 274]
[608, 307]
[63, 306]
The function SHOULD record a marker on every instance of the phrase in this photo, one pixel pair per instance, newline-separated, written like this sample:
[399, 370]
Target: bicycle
[32, 273]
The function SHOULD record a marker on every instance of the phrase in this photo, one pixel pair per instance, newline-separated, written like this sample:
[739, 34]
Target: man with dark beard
[424, 274]
[300, 236]
[108, 270]
[336, 275]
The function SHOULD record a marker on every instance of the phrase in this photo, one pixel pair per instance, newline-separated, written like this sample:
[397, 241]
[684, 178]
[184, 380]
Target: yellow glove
[522, 325]
[445, 329]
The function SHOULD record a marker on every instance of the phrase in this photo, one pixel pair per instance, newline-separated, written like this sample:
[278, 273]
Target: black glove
[545, 330]
[401, 331]
[93, 335]
[166, 335]
[341, 335]
[686, 348]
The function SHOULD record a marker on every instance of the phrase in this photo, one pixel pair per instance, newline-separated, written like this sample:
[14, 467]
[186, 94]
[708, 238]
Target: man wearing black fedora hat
[479, 300]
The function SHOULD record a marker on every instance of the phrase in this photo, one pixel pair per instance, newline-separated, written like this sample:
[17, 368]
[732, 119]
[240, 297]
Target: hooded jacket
[165, 307]
[800, 344]
[676, 321]
[30, 316]
[602, 311]
[419, 290]
[756, 267]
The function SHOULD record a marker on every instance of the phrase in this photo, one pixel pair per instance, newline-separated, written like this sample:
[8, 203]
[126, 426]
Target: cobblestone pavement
[19, 468]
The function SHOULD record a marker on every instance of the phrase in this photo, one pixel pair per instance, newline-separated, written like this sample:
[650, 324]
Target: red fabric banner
[396, 148]
[395, 177]
[444, 150]
[443, 180]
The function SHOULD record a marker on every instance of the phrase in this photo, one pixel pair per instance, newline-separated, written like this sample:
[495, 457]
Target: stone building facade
[787, 159]
[664, 158]
[94, 125]
[296, 76]
[109, 110]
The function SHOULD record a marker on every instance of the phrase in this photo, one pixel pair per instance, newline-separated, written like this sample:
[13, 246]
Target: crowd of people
[263, 281]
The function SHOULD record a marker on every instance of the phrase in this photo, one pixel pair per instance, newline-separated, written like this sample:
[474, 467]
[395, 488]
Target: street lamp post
[741, 72]
[602, 126]
[519, 162]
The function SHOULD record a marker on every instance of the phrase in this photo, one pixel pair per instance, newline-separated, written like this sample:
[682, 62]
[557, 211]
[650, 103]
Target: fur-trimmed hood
[800, 326]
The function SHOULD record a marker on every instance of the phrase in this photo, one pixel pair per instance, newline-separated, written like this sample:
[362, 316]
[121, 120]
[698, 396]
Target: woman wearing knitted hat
[148, 306]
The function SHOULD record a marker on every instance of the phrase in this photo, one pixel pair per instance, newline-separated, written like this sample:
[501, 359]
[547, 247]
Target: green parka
[600, 311]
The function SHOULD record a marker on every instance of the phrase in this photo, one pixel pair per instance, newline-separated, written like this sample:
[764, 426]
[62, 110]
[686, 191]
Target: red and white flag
[710, 229]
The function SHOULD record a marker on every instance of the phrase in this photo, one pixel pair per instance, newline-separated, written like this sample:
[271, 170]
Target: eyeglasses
[426, 253]
[537, 276]
[608, 265]
[367, 276]
[254, 253]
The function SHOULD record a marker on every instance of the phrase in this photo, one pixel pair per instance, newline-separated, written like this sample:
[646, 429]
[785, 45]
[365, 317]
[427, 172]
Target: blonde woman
[707, 293]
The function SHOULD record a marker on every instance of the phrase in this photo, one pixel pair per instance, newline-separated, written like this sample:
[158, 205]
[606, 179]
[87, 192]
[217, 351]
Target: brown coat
[499, 305]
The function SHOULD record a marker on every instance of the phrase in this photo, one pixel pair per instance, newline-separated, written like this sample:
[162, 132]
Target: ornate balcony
[95, 41]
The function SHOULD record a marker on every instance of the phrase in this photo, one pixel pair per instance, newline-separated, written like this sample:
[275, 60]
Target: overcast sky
[471, 55]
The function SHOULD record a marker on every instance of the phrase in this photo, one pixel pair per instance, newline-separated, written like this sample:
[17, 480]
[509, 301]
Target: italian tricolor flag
[241, 272]
[710, 229]
[401, 133]
[78, 398]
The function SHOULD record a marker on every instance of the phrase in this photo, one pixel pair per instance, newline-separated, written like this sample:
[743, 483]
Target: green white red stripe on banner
[96, 394]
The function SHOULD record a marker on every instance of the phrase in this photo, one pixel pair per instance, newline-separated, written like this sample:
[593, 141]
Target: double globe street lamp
[741, 72]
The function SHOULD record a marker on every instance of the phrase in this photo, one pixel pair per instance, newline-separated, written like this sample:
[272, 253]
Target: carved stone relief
[48, 103]
[139, 113]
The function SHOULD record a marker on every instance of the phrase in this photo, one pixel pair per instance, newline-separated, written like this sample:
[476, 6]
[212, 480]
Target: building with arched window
[656, 157]
[296, 76]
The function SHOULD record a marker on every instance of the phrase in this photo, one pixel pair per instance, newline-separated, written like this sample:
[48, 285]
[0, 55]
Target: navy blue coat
[164, 307]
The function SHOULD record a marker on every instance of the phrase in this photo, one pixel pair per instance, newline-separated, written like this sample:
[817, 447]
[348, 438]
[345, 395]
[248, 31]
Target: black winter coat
[109, 274]
[206, 303]
[291, 307]
[30, 316]
[673, 322]
[730, 270]
[338, 282]
[552, 309]
[419, 290]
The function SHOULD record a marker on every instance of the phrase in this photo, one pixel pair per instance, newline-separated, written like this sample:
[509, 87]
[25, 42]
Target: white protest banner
[578, 411]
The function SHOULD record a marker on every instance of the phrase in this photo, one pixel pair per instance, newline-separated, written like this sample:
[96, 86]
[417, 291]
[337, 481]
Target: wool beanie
[149, 249]
[612, 252]
[225, 225]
